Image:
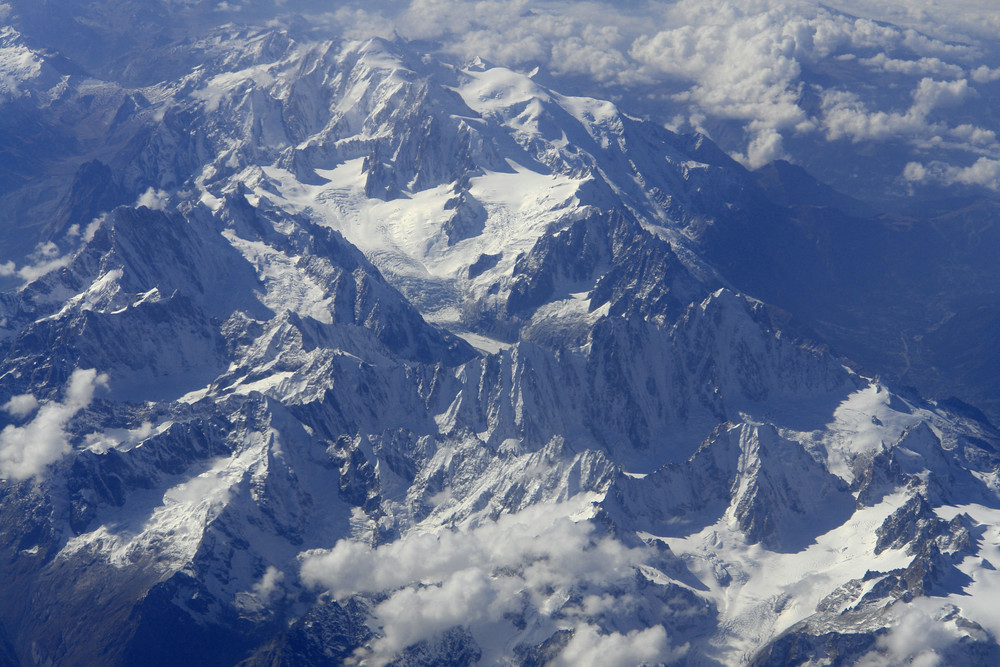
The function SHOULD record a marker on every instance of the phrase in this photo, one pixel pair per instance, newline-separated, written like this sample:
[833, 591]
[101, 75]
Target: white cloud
[212, 487]
[955, 20]
[153, 199]
[846, 116]
[972, 135]
[591, 648]
[765, 147]
[919, 67]
[46, 250]
[710, 61]
[915, 172]
[931, 94]
[741, 66]
[26, 451]
[21, 406]
[730, 65]
[92, 227]
[116, 437]
[478, 576]
[45, 259]
[594, 54]
[984, 74]
[583, 38]
[984, 172]
[40, 268]
[269, 586]
[467, 596]
[917, 636]
[360, 23]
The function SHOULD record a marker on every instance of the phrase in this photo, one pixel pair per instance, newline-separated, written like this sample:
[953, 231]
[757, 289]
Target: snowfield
[371, 356]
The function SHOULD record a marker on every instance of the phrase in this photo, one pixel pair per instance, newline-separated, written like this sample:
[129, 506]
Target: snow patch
[756, 605]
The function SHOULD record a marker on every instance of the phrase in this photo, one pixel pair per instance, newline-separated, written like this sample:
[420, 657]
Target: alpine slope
[340, 352]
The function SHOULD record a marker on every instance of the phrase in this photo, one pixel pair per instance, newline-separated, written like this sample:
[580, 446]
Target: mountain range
[322, 351]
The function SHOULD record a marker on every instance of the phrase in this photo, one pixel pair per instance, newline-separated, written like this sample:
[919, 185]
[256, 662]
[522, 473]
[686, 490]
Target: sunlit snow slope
[344, 354]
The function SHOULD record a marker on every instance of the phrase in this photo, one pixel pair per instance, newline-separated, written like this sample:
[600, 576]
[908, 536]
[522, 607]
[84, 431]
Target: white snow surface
[494, 493]
[765, 592]
[404, 237]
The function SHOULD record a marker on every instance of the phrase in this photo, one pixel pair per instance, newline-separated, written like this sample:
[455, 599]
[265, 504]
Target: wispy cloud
[48, 256]
[45, 259]
[115, 437]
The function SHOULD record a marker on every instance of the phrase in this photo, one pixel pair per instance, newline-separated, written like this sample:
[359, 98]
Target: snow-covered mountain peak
[443, 177]
[237, 406]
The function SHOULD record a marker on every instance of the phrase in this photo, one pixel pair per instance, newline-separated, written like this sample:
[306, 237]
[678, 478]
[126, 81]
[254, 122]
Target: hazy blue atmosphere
[499, 333]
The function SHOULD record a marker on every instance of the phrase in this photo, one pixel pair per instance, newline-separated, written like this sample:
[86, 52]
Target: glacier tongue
[300, 459]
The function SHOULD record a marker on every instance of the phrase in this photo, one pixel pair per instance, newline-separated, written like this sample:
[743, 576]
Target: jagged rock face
[352, 354]
[768, 487]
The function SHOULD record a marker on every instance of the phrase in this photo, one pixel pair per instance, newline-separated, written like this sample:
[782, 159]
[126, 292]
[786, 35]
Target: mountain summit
[344, 352]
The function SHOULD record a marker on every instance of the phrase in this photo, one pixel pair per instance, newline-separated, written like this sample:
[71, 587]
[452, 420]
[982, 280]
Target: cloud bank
[771, 69]
[527, 565]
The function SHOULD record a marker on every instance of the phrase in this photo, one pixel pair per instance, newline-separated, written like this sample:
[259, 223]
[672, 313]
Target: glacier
[341, 352]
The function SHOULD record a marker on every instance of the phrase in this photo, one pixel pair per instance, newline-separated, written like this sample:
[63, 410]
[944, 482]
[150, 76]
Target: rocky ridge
[353, 336]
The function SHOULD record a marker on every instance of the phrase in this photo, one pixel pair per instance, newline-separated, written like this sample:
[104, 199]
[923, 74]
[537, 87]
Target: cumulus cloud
[478, 577]
[26, 451]
[582, 38]
[591, 648]
[984, 74]
[918, 636]
[846, 116]
[153, 199]
[954, 21]
[918, 67]
[984, 172]
[21, 406]
[91, 229]
[972, 135]
[749, 65]
[931, 94]
[269, 586]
